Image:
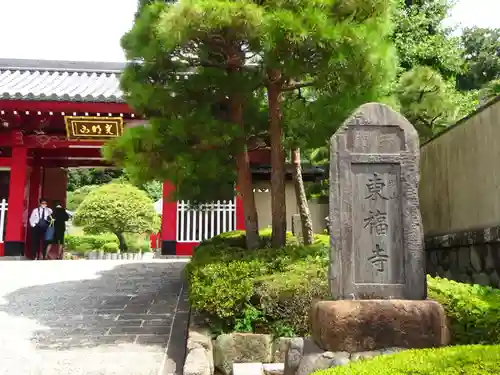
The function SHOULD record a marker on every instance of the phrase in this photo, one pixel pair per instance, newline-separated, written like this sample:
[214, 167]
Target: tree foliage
[119, 209]
[429, 102]
[91, 176]
[490, 91]
[422, 40]
[76, 197]
[431, 61]
[439, 73]
[481, 52]
[154, 189]
[82, 181]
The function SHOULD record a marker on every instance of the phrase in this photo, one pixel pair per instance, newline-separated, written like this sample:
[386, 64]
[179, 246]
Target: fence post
[3, 212]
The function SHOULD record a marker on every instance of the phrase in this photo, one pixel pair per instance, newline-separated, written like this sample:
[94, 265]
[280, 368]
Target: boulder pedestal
[365, 325]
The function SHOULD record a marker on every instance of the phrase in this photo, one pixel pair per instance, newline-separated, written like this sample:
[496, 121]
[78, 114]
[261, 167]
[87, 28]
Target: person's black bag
[43, 223]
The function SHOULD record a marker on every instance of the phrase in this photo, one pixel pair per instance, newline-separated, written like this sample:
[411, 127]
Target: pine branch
[297, 86]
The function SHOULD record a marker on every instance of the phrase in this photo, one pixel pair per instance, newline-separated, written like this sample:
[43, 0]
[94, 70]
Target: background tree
[119, 209]
[76, 197]
[91, 176]
[490, 91]
[431, 61]
[481, 52]
[154, 189]
[429, 102]
[422, 39]
[436, 84]
[301, 197]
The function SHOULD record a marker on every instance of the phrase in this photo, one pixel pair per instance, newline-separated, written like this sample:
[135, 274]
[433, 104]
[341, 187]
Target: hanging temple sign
[374, 208]
[93, 128]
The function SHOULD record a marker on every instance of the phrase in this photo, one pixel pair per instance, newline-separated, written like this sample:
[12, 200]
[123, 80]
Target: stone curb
[463, 238]
[199, 350]
[258, 368]
[305, 357]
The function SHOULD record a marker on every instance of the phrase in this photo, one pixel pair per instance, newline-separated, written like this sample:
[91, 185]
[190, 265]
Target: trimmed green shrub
[117, 208]
[287, 296]
[276, 287]
[111, 247]
[89, 242]
[83, 249]
[451, 360]
[473, 310]
[270, 290]
[145, 247]
[136, 242]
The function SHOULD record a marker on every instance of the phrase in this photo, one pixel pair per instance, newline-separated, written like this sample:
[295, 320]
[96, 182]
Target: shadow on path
[133, 303]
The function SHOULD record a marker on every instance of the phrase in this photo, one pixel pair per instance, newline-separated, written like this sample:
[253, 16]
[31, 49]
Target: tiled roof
[60, 80]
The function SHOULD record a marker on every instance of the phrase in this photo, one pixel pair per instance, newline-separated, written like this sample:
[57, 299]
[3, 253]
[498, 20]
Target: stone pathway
[92, 317]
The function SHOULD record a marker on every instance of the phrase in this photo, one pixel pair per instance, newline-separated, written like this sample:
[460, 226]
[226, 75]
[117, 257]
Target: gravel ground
[92, 317]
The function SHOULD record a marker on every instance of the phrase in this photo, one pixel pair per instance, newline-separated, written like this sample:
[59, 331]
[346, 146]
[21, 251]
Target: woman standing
[60, 217]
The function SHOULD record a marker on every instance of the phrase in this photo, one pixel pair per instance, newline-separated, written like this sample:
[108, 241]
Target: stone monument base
[366, 325]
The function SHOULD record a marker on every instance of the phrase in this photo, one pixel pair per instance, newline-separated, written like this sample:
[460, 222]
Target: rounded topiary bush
[111, 247]
[451, 360]
[117, 208]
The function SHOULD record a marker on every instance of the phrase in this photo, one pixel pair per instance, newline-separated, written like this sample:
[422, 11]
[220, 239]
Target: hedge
[451, 360]
[269, 290]
[107, 242]
[473, 310]
[259, 290]
[84, 243]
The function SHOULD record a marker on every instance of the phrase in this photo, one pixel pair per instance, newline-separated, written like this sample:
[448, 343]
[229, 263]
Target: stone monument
[377, 270]
[374, 208]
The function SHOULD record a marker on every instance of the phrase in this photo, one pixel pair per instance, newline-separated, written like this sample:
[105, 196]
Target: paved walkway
[92, 317]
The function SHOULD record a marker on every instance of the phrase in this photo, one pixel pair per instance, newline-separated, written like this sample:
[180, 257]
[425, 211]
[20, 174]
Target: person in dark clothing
[39, 222]
[60, 216]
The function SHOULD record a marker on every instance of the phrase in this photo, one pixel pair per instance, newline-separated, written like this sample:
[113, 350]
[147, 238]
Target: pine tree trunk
[300, 194]
[278, 198]
[245, 185]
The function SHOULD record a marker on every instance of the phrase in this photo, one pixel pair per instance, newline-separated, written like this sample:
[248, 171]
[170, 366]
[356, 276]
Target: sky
[91, 30]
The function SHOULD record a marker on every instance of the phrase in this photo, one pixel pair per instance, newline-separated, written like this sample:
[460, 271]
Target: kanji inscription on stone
[374, 186]
[379, 258]
[377, 222]
[374, 208]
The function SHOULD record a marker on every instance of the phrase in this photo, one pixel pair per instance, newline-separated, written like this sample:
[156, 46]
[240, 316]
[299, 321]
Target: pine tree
[198, 71]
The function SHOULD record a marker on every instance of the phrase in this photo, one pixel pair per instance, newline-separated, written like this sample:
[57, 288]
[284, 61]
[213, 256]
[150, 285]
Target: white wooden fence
[3, 217]
[195, 224]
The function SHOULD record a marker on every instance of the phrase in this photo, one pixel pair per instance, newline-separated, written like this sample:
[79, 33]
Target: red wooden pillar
[15, 229]
[169, 221]
[34, 196]
[240, 213]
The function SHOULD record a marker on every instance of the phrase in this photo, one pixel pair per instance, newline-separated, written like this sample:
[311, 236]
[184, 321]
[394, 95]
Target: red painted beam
[53, 106]
[47, 141]
[69, 152]
[72, 163]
